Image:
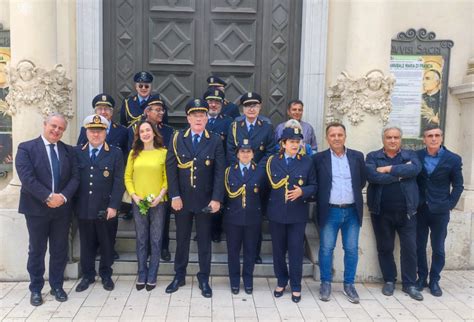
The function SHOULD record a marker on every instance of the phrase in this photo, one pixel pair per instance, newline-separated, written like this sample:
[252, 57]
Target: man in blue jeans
[341, 176]
[441, 184]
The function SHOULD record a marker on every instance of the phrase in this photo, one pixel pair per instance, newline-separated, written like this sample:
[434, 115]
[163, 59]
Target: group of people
[225, 172]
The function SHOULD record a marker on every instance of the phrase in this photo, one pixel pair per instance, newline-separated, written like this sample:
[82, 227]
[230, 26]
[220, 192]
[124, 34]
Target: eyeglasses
[158, 111]
[253, 105]
[145, 86]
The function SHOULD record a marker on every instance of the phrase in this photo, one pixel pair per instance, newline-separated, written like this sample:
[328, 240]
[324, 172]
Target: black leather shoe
[420, 284]
[295, 298]
[150, 287]
[248, 290]
[388, 288]
[36, 299]
[59, 294]
[165, 255]
[84, 284]
[206, 290]
[435, 290]
[258, 260]
[174, 285]
[108, 284]
[279, 293]
[413, 292]
[216, 238]
[139, 286]
[235, 290]
[116, 255]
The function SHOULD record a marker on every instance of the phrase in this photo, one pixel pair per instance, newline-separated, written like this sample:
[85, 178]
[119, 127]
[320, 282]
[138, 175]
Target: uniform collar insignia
[280, 156]
[106, 147]
[85, 146]
[259, 123]
[187, 133]
[242, 124]
[114, 125]
[236, 166]
[206, 134]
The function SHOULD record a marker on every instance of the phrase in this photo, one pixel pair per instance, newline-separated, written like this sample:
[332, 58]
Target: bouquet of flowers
[145, 204]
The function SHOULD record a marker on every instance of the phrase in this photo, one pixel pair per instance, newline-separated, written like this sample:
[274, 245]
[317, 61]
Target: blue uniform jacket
[166, 132]
[234, 212]
[301, 173]
[221, 127]
[435, 188]
[230, 109]
[196, 177]
[132, 110]
[101, 184]
[34, 170]
[261, 140]
[323, 166]
[405, 173]
[117, 137]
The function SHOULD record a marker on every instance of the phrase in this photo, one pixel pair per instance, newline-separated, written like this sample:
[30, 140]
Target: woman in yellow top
[145, 178]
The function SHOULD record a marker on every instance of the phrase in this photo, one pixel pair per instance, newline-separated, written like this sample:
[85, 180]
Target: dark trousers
[216, 224]
[288, 238]
[238, 236]
[44, 229]
[97, 234]
[385, 225]
[165, 241]
[184, 224]
[436, 226]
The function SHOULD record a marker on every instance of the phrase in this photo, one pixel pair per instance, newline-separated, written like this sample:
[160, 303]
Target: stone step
[132, 235]
[127, 265]
[123, 244]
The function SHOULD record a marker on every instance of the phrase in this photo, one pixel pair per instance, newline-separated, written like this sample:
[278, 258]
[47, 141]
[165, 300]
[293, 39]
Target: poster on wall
[420, 64]
[6, 159]
[416, 96]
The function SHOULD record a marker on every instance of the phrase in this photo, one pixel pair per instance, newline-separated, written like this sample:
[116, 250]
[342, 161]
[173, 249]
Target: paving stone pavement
[125, 303]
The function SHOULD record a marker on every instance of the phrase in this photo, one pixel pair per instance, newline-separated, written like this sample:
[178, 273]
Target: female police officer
[293, 181]
[243, 215]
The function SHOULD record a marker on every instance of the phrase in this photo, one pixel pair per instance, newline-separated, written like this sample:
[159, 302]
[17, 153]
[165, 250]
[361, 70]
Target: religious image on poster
[416, 100]
[5, 120]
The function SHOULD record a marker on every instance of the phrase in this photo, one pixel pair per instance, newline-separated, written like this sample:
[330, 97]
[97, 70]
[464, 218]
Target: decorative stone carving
[49, 91]
[354, 97]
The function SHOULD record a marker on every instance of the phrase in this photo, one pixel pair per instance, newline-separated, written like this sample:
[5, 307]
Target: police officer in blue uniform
[229, 108]
[217, 123]
[134, 106]
[195, 167]
[117, 136]
[243, 215]
[154, 113]
[259, 133]
[101, 171]
[292, 178]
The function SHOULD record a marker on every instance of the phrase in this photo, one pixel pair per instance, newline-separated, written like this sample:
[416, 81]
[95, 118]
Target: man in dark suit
[440, 183]
[100, 192]
[49, 177]
[341, 177]
[195, 166]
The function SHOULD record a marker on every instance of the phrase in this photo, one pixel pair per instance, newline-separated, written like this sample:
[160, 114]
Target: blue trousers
[149, 231]
[345, 220]
[288, 238]
[436, 227]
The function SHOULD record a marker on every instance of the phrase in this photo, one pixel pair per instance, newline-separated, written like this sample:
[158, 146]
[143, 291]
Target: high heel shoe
[279, 293]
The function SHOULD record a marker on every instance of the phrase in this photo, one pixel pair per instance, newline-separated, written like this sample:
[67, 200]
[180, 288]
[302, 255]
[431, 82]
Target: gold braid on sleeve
[279, 184]
[239, 192]
[181, 165]
[234, 133]
[133, 119]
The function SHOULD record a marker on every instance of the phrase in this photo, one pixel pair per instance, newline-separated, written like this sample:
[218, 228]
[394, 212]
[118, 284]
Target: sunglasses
[145, 86]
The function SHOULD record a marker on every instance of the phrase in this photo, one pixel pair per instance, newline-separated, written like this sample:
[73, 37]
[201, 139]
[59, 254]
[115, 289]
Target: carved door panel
[254, 45]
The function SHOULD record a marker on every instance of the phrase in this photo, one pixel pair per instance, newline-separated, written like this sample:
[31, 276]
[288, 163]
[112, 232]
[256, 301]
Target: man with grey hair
[49, 178]
[392, 198]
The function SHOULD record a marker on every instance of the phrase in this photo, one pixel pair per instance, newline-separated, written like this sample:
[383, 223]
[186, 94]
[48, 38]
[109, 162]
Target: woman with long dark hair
[146, 182]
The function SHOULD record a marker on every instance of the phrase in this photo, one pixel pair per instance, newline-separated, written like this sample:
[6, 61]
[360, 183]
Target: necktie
[94, 155]
[195, 141]
[55, 167]
[289, 161]
[245, 172]
[251, 129]
[212, 120]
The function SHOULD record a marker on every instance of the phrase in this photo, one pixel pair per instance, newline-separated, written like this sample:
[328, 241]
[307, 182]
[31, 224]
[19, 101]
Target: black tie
[212, 120]
[55, 167]
[94, 155]
[195, 141]
[251, 129]
[245, 172]
[289, 161]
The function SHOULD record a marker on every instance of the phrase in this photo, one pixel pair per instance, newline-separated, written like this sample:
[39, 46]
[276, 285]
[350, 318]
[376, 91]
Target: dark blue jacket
[405, 173]
[301, 173]
[262, 140]
[323, 166]
[254, 181]
[196, 177]
[132, 110]
[221, 127]
[117, 137]
[441, 189]
[34, 170]
[101, 184]
[230, 109]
